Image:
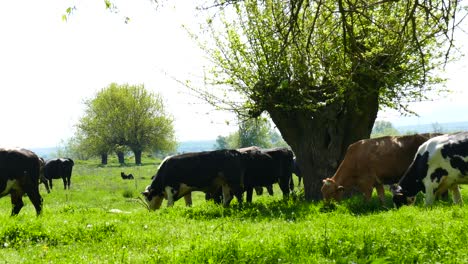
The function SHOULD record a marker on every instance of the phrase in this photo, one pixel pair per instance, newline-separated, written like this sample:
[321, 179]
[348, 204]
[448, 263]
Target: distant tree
[252, 132]
[221, 143]
[255, 132]
[384, 128]
[277, 140]
[122, 117]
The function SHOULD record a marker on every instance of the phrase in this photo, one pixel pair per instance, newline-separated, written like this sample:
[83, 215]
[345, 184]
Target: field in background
[101, 221]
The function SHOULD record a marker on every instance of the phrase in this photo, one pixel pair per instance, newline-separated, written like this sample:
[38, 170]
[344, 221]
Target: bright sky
[48, 67]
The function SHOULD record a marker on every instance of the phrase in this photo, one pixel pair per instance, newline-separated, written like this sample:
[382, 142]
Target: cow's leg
[17, 201]
[380, 192]
[259, 190]
[44, 181]
[227, 197]
[170, 196]
[270, 189]
[50, 184]
[68, 182]
[249, 191]
[188, 199]
[36, 200]
[456, 195]
[367, 193]
[64, 182]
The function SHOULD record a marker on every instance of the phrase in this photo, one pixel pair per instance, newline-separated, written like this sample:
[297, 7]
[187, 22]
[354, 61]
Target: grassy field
[100, 221]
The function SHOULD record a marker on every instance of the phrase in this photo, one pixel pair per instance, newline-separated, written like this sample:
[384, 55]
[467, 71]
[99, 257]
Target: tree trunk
[320, 140]
[120, 156]
[104, 159]
[137, 157]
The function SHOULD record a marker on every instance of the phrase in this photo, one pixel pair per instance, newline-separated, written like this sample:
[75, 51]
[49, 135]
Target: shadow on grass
[296, 207]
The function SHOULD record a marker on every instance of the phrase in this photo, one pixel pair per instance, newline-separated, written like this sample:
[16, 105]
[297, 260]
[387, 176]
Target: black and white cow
[179, 175]
[56, 169]
[20, 174]
[441, 163]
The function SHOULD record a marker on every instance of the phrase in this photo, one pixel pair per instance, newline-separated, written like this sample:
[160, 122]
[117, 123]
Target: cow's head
[153, 198]
[399, 196]
[331, 190]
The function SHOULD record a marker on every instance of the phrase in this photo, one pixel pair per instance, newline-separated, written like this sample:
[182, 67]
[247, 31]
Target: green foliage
[252, 132]
[125, 117]
[94, 223]
[384, 128]
[300, 55]
[255, 132]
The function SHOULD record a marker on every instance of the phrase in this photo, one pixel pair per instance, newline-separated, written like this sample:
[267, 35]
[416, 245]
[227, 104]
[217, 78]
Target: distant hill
[424, 128]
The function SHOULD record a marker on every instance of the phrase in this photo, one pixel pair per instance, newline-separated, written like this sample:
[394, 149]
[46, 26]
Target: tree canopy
[126, 116]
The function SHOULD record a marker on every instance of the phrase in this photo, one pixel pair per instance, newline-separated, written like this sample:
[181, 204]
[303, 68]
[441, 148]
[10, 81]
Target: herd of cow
[429, 163]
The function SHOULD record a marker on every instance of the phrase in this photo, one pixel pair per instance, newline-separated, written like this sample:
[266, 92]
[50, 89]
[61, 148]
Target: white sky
[48, 67]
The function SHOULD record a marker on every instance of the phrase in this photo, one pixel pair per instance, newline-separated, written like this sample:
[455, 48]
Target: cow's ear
[340, 188]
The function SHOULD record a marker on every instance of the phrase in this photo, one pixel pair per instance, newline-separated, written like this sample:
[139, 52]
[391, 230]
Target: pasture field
[100, 221]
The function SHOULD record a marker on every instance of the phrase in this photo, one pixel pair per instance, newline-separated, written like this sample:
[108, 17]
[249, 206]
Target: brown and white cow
[20, 171]
[370, 163]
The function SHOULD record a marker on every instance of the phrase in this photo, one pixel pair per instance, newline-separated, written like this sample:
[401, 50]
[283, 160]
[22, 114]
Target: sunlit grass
[100, 221]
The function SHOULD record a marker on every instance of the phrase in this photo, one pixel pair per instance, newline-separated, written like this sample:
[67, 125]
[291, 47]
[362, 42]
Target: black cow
[441, 163]
[283, 158]
[179, 175]
[263, 168]
[58, 168]
[20, 174]
[126, 177]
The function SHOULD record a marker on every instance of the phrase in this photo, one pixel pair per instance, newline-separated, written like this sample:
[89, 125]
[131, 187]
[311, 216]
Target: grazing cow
[440, 164]
[20, 174]
[58, 168]
[126, 177]
[297, 171]
[263, 168]
[370, 163]
[179, 175]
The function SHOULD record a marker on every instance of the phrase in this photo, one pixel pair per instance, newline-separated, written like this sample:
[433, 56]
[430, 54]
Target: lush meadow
[100, 220]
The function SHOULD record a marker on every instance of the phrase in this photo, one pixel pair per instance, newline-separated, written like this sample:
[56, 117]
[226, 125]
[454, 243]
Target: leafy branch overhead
[303, 55]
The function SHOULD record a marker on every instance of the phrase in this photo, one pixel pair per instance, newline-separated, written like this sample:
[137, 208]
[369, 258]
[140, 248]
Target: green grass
[100, 221]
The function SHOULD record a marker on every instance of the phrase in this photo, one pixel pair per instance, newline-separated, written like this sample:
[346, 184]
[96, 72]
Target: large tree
[322, 69]
[126, 116]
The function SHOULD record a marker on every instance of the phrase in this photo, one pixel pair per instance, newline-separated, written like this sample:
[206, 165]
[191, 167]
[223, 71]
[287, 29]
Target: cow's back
[385, 158]
[199, 169]
[19, 163]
